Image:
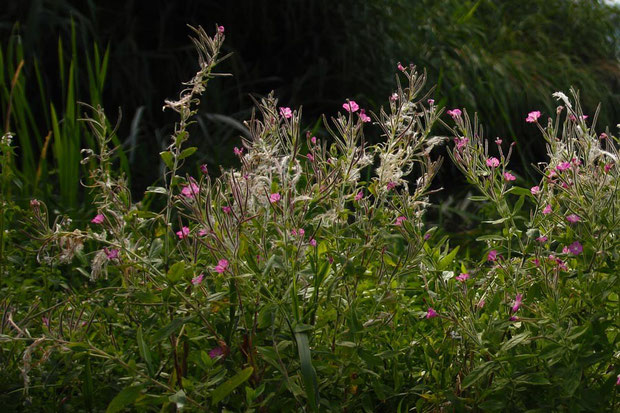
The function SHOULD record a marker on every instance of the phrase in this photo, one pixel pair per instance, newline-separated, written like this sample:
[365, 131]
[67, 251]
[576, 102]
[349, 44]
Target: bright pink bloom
[399, 220]
[227, 209]
[220, 29]
[238, 151]
[198, 279]
[221, 266]
[391, 185]
[98, 219]
[204, 169]
[618, 381]
[313, 140]
[294, 232]
[575, 248]
[273, 198]
[286, 112]
[517, 303]
[572, 218]
[532, 116]
[608, 167]
[462, 277]
[492, 255]
[202, 232]
[536, 262]
[427, 236]
[112, 254]
[542, 238]
[190, 190]
[513, 318]
[312, 242]
[535, 190]
[547, 210]
[350, 106]
[183, 233]
[563, 166]
[603, 136]
[301, 232]
[493, 162]
[481, 303]
[364, 117]
[431, 313]
[359, 196]
[431, 102]
[400, 67]
[498, 141]
[394, 97]
[455, 113]
[310, 157]
[509, 177]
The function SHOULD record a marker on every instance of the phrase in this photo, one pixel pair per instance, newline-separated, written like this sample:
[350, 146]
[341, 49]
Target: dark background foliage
[498, 58]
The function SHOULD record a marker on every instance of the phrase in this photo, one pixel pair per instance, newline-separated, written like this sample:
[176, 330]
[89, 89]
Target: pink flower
[461, 143]
[535, 190]
[399, 220]
[532, 116]
[509, 177]
[427, 236]
[359, 196]
[536, 262]
[112, 254]
[310, 157]
[462, 277]
[202, 232]
[98, 219]
[301, 232]
[517, 303]
[190, 190]
[563, 166]
[575, 248]
[294, 232]
[390, 185]
[275, 197]
[46, 321]
[481, 303]
[183, 233]
[350, 106]
[431, 102]
[198, 279]
[220, 29]
[216, 352]
[313, 140]
[618, 380]
[513, 318]
[363, 116]
[455, 113]
[227, 209]
[286, 112]
[312, 242]
[493, 162]
[542, 238]
[608, 167]
[547, 210]
[498, 141]
[238, 151]
[204, 169]
[603, 136]
[394, 97]
[400, 67]
[572, 218]
[222, 266]
[492, 255]
[431, 313]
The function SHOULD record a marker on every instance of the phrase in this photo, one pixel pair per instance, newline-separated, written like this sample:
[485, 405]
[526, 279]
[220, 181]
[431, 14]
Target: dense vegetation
[306, 266]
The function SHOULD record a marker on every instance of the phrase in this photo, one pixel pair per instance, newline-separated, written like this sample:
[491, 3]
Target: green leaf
[517, 190]
[187, 152]
[515, 341]
[166, 156]
[478, 373]
[126, 397]
[145, 352]
[173, 326]
[535, 379]
[447, 260]
[176, 272]
[308, 374]
[518, 205]
[229, 385]
[156, 190]
[179, 399]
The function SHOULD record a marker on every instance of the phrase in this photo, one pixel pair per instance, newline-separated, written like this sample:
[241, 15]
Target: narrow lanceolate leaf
[145, 352]
[126, 397]
[229, 385]
[308, 374]
[478, 373]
